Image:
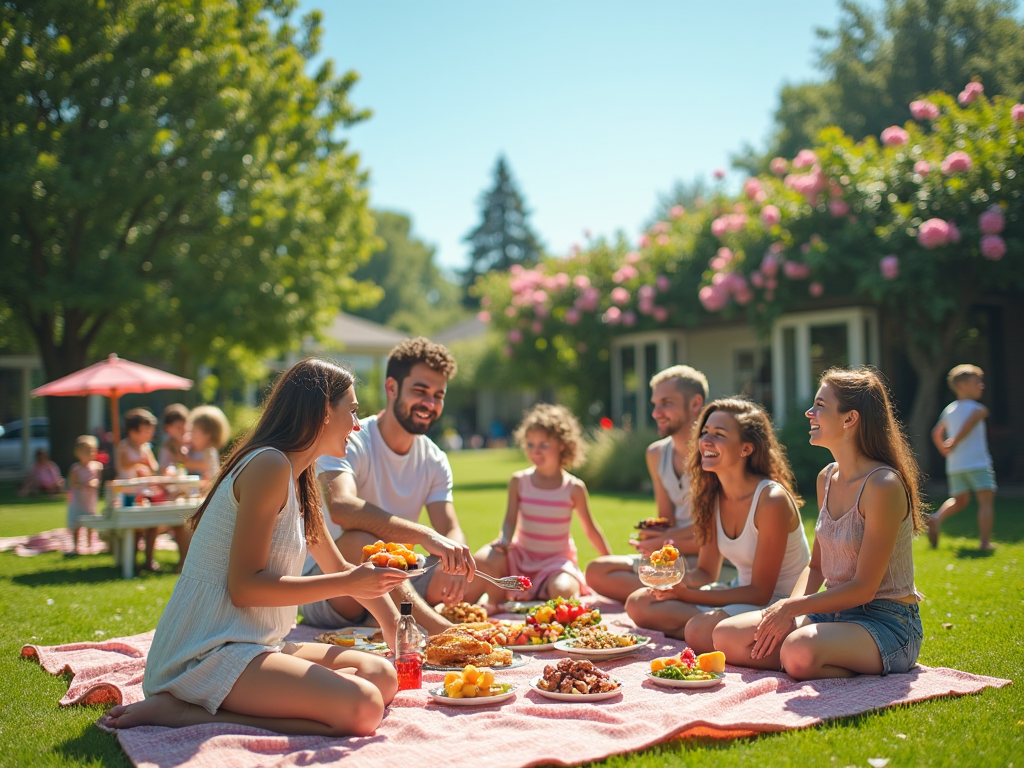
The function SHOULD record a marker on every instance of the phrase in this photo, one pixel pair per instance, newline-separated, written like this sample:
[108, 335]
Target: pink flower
[612, 315]
[805, 158]
[662, 283]
[510, 311]
[838, 207]
[620, 295]
[770, 216]
[541, 310]
[933, 233]
[752, 188]
[794, 270]
[624, 273]
[779, 166]
[970, 92]
[924, 110]
[726, 255]
[771, 283]
[713, 297]
[810, 185]
[629, 319]
[890, 266]
[572, 316]
[661, 226]
[993, 247]
[954, 233]
[922, 167]
[507, 351]
[770, 265]
[893, 136]
[677, 211]
[730, 222]
[537, 327]
[581, 281]
[1017, 113]
[757, 279]
[957, 161]
[483, 317]
[663, 240]
[515, 336]
[645, 293]
[516, 269]
[744, 296]
[660, 314]
[562, 280]
[485, 301]
[816, 289]
[539, 297]
[992, 221]
[643, 241]
[633, 257]
[719, 174]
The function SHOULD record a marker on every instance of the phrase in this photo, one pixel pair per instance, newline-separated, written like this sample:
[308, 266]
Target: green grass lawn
[51, 599]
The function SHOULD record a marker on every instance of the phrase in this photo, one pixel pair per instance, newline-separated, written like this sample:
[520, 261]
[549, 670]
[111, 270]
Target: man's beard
[403, 415]
[670, 428]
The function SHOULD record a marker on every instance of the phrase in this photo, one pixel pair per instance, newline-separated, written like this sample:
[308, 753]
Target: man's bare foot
[987, 546]
[161, 709]
[933, 531]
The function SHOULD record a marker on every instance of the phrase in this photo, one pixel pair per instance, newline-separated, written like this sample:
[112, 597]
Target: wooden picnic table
[121, 522]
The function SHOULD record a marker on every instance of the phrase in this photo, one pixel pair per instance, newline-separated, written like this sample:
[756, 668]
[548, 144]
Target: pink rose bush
[993, 247]
[889, 266]
[970, 92]
[922, 167]
[1017, 113]
[955, 162]
[805, 158]
[770, 215]
[894, 136]
[992, 221]
[924, 110]
[933, 234]
[779, 166]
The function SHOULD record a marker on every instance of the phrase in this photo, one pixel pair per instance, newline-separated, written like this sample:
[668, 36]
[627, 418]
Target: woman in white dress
[219, 653]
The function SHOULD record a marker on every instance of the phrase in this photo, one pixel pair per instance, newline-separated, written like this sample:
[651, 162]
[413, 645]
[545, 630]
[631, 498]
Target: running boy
[961, 437]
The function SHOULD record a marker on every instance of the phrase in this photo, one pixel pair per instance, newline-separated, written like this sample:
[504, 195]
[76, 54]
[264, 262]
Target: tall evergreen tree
[503, 237]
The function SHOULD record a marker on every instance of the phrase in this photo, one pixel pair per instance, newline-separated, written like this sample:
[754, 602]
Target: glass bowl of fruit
[663, 569]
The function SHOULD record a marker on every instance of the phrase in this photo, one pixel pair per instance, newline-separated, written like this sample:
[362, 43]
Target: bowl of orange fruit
[393, 555]
[688, 670]
[472, 687]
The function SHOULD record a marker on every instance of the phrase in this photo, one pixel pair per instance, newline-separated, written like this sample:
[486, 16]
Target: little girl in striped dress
[535, 538]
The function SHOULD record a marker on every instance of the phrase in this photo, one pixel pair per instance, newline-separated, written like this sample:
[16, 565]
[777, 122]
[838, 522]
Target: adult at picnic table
[866, 621]
[678, 394]
[377, 491]
[219, 653]
[744, 508]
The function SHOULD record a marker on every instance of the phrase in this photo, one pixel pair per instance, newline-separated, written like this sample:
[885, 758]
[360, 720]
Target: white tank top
[740, 551]
[677, 488]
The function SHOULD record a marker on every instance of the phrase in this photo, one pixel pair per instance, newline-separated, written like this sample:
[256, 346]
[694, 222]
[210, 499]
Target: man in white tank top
[390, 472]
[678, 394]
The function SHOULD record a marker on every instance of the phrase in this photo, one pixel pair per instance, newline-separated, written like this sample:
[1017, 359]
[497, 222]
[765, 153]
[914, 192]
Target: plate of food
[392, 555]
[519, 606]
[571, 680]
[472, 687]
[369, 639]
[653, 523]
[463, 613]
[598, 642]
[473, 643]
[688, 670]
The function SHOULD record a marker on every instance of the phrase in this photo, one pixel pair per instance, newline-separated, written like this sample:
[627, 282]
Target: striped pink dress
[542, 545]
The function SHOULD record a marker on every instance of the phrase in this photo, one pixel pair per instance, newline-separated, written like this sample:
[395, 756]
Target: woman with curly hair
[535, 541]
[744, 508]
[866, 621]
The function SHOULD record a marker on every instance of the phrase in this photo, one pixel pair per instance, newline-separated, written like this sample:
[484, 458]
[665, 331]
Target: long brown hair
[880, 437]
[292, 420]
[768, 459]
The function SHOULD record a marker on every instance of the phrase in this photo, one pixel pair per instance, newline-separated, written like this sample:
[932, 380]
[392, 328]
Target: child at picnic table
[209, 434]
[535, 541]
[84, 483]
[961, 437]
[867, 620]
[174, 451]
[219, 654]
[745, 509]
[133, 458]
[43, 476]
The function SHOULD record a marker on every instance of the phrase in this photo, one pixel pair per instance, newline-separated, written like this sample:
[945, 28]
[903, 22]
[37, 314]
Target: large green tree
[504, 236]
[876, 62]
[173, 181]
[417, 296]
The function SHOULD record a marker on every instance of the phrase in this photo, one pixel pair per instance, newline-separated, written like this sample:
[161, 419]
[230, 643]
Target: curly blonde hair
[558, 422]
[213, 422]
[768, 459]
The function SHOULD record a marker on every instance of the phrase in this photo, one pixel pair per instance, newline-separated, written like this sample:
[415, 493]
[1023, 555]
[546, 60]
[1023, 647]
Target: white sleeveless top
[740, 551]
[677, 488]
[203, 641]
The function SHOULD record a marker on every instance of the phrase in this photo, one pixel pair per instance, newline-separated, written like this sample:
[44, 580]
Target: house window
[752, 375]
[830, 346]
[630, 384]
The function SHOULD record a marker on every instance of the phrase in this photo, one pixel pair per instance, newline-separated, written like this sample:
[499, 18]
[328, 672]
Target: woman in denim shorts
[866, 621]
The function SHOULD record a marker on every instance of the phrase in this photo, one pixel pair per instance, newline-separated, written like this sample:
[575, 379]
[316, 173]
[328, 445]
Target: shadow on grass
[93, 745]
[91, 575]
[973, 553]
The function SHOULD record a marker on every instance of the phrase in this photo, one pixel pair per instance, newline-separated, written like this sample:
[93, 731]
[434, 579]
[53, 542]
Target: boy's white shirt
[972, 452]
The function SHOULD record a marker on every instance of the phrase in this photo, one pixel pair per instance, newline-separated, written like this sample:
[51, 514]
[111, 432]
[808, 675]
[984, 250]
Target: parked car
[10, 441]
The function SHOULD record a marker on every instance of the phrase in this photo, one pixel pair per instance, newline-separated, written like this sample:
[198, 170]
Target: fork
[508, 583]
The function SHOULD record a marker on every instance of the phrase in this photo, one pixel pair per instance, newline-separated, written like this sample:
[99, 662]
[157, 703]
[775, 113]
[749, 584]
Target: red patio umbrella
[113, 377]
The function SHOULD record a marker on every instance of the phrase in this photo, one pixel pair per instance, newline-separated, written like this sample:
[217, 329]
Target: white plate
[531, 648]
[666, 682]
[363, 637]
[600, 653]
[438, 695]
[576, 696]
[517, 661]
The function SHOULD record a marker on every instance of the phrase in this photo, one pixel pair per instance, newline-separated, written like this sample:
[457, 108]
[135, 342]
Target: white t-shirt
[972, 451]
[401, 485]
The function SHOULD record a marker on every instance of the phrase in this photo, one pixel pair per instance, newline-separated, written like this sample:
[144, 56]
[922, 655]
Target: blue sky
[598, 106]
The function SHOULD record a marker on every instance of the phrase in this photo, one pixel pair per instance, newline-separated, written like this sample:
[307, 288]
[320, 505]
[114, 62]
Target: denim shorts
[982, 479]
[895, 627]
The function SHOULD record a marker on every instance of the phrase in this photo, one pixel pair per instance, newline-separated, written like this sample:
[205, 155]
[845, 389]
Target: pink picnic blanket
[59, 540]
[524, 731]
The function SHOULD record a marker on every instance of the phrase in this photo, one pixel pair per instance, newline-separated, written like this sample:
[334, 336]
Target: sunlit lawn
[981, 597]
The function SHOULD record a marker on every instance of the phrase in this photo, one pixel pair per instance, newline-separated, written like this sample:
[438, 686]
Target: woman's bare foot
[161, 709]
